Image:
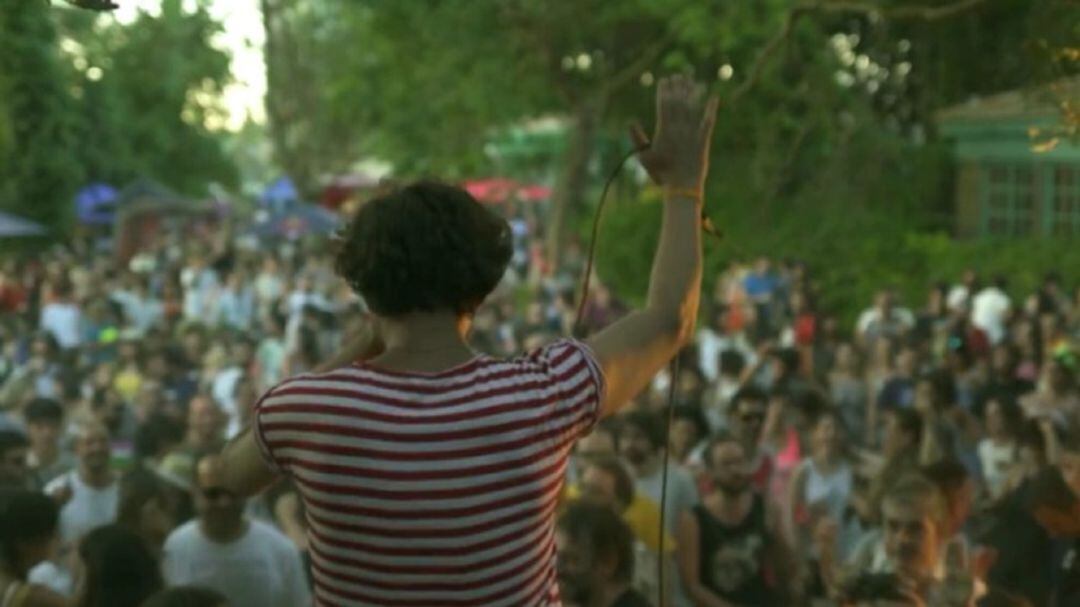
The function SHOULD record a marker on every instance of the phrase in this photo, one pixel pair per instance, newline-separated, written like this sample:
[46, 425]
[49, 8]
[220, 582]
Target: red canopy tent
[497, 190]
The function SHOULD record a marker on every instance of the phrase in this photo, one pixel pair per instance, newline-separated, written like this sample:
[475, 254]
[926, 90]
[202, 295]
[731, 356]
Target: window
[1009, 200]
[1063, 213]
[1030, 199]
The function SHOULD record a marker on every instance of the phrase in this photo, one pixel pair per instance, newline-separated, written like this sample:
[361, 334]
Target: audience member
[13, 453]
[145, 508]
[28, 534]
[732, 548]
[118, 569]
[88, 494]
[595, 558]
[44, 425]
[250, 562]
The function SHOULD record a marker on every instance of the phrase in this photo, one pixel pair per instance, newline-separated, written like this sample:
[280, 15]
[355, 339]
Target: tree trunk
[288, 95]
[573, 177]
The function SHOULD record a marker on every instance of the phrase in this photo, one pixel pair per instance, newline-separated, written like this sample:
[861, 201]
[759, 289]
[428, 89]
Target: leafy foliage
[146, 93]
[84, 98]
[39, 164]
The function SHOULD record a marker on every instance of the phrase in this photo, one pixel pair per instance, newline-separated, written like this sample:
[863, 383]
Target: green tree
[828, 105]
[147, 92]
[39, 162]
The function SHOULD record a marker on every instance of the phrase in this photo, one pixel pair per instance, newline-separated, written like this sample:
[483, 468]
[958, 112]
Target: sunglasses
[215, 493]
[752, 417]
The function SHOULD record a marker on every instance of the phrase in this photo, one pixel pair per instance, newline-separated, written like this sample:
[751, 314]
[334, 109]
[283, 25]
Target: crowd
[931, 452]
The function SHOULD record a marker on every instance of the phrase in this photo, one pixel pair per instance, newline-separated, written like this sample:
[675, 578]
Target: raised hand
[677, 156]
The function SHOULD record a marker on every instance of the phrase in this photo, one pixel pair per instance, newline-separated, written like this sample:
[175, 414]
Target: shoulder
[568, 363]
[309, 384]
[559, 354]
[182, 536]
[270, 538]
[59, 481]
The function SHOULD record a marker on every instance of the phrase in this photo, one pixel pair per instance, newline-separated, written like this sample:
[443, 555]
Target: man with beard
[89, 493]
[89, 496]
[595, 558]
[747, 417]
[730, 546]
[920, 564]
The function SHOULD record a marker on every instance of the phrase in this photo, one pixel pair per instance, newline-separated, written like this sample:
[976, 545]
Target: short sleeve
[257, 430]
[574, 371]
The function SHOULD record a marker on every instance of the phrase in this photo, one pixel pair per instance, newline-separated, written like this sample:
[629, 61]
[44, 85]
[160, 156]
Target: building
[1018, 167]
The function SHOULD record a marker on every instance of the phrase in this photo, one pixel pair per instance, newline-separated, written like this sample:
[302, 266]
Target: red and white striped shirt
[433, 489]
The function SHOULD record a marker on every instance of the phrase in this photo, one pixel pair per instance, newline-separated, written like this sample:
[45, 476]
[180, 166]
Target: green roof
[1012, 124]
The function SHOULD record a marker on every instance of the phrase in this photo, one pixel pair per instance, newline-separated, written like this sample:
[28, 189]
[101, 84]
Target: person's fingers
[638, 138]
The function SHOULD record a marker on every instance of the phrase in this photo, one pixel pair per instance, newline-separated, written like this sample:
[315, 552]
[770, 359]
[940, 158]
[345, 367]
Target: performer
[430, 473]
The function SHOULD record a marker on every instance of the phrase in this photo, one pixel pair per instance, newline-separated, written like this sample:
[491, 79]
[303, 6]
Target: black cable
[591, 256]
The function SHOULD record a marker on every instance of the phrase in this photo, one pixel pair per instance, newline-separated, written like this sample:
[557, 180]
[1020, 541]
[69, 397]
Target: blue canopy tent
[298, 220]
[96, 204]
[13, 226]
[279, 196]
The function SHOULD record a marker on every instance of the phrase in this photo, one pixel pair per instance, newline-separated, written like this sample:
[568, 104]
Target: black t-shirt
[733, 558]
[631, 598]
[1023, 546]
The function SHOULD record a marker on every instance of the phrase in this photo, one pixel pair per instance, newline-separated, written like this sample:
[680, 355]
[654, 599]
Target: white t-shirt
[64, 321]
[988, 312]
[711, 344]
[54, 576]
[261, 569]
[88, 508]
[996, 460]
[682, 495]
[223, 390]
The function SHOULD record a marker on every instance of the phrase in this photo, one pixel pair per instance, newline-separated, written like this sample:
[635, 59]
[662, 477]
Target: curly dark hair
[424, 247]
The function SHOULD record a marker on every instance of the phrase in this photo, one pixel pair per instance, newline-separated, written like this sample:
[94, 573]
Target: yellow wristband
[693, 193]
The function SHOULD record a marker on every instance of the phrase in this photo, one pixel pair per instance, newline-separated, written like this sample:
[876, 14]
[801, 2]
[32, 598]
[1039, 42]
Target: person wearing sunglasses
[746, 416]
[251, 563]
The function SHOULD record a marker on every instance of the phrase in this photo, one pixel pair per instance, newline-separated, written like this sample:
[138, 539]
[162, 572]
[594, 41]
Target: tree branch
[766, 54]
[922, 13]
[647, 58]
